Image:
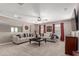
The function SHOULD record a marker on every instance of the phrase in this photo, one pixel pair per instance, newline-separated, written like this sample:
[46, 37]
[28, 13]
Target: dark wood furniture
[71, 44]
[75, 53]
[39, 40]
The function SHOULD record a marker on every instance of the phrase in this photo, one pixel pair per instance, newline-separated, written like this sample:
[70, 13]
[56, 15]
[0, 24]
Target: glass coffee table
[39, 40]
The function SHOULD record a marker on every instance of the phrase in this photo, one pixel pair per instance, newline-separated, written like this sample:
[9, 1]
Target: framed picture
[49, 28]
[26, 27]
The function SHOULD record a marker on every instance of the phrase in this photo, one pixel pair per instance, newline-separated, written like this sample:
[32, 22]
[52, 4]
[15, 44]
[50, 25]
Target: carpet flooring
[27, 49]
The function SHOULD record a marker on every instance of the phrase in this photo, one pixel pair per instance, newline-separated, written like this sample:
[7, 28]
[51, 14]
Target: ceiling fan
[39, 19]
[21, 4]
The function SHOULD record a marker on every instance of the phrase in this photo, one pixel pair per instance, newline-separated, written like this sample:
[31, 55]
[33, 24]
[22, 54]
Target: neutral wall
[37, 28]
[67, 26]
[10, 21]
[73, 24]
[5, 28]
[5, 37]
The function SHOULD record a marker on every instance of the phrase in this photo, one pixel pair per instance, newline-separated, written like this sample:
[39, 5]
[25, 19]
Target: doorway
[58, 30]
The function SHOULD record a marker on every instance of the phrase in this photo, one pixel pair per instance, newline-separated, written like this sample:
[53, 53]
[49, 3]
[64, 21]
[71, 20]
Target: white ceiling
[29, 12]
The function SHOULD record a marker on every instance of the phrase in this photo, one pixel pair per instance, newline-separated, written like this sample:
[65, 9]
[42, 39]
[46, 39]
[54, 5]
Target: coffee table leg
[45, 40]
[30, 41]
[39, 43]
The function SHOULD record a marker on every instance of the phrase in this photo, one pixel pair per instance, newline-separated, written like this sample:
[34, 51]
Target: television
[76, 18]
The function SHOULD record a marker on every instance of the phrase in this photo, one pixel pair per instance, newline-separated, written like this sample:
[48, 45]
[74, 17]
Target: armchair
[51, 38]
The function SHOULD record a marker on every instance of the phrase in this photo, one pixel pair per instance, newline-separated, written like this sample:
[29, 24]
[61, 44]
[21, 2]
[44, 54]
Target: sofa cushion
[19, 35]
[24, 35]
[29, 35]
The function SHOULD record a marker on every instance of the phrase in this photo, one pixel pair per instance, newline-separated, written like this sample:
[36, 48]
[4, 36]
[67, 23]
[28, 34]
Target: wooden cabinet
[71, 44]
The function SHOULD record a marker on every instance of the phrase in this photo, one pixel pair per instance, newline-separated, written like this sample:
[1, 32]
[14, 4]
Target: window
[14, 29]
[57, 30]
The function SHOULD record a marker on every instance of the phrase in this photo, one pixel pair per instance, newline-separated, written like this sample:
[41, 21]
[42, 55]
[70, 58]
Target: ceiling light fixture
[20, 4]
[39, 19]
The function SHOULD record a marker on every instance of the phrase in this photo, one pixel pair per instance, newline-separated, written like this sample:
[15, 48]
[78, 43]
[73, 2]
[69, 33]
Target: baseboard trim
[5, 43]
[19, 43]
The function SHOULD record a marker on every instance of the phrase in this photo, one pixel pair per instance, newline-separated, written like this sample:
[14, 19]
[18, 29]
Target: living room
[26, 28]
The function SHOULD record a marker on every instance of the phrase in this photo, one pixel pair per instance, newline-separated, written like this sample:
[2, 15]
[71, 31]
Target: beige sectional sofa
[21, 38]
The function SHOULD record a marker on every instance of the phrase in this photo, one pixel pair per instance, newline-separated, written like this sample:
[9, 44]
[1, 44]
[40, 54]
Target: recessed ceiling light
[19, 17]
[65, 9]
[15, 15]
[45, 19]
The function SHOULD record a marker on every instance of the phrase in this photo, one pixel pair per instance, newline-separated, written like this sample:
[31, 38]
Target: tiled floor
[26, 49]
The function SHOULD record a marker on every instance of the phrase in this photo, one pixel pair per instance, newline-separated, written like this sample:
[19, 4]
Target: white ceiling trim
[30, 12]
